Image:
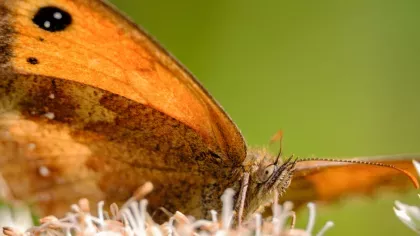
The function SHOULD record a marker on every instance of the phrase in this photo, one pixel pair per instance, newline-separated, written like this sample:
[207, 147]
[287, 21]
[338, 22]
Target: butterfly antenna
[411, 176]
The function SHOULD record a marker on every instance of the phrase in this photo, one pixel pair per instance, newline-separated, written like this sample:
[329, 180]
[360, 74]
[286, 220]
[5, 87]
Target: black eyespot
[32, 60]
[52, 19]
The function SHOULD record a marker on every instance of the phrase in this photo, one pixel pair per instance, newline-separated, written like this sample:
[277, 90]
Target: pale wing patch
[34, 162]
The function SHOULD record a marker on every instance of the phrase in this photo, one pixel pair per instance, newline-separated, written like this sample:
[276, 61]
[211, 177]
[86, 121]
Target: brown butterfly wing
[329, 181]
[127, 112]
[101, 48]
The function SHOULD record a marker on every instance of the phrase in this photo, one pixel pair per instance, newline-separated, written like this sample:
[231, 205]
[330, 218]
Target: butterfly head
[268, 175]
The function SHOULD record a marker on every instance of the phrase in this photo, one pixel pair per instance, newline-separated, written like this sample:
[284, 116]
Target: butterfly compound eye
[265, 173]
[52, 19]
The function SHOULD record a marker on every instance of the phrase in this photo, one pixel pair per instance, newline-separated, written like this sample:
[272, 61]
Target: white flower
[18, 217]
[409, 215]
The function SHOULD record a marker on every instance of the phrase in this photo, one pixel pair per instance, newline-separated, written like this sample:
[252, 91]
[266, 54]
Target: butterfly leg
[240, 202]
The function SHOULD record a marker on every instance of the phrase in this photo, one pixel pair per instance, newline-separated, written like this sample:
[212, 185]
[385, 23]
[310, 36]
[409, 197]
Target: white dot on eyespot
[58, 15]
[47, 24]
[44, 171]
[52, 96]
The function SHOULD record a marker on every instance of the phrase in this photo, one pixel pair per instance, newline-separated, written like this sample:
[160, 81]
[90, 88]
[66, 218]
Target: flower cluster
[133, 219]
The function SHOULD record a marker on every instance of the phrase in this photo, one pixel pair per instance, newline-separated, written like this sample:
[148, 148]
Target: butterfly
[92, 106]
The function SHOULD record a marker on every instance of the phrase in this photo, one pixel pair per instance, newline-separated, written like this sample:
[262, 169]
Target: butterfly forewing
[99, 87]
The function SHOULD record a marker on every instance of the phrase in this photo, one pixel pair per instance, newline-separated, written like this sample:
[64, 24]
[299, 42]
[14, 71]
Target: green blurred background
[341, 78]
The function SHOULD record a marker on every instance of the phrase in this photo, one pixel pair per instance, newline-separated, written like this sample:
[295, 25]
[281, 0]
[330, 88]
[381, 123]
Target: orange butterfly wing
[101, 48]
[328, 181]
[104, 108]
